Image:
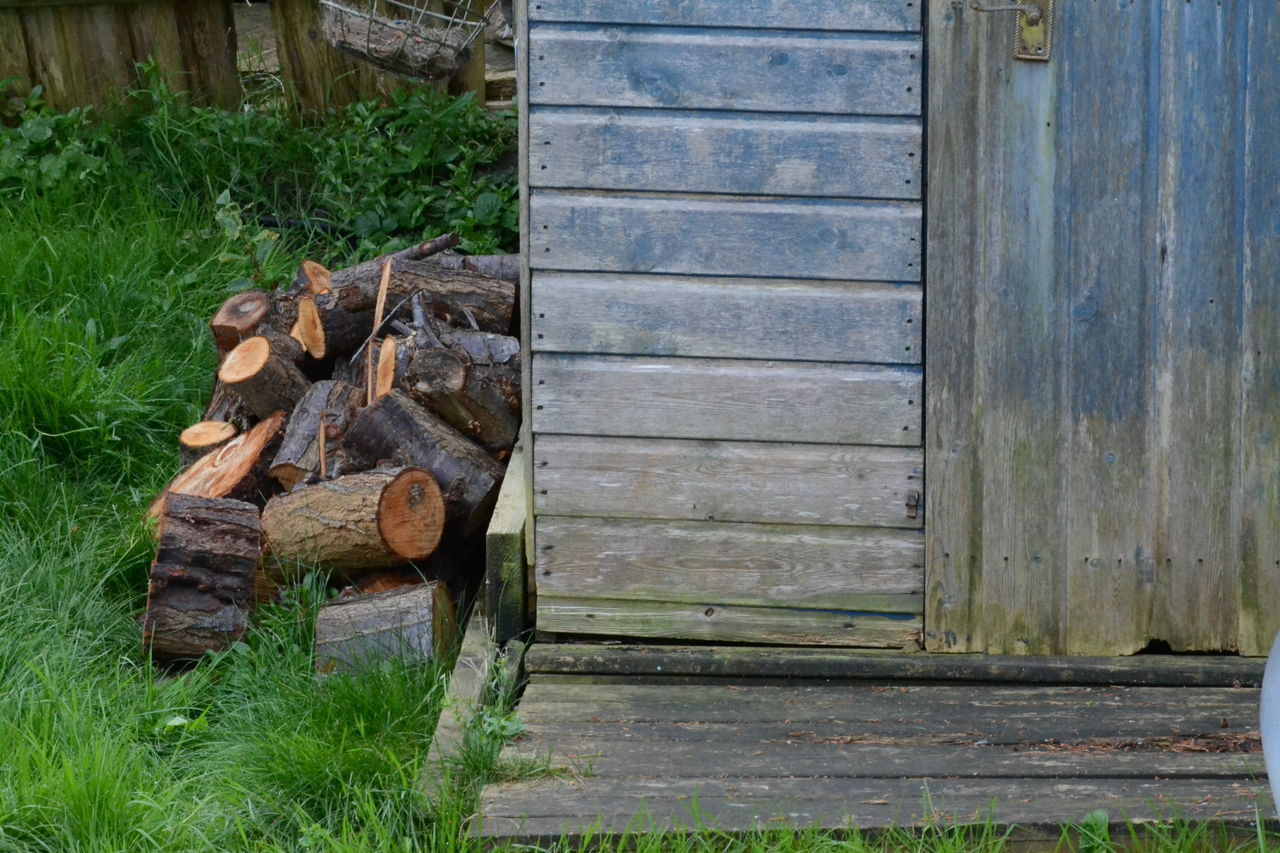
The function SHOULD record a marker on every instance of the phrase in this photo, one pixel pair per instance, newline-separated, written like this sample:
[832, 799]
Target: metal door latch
[1033, 28]
[913, 504]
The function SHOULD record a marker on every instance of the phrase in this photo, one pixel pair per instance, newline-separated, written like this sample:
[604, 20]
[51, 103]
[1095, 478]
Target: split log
[327, 402]
[261, 372]
[308, 329]
[200, 438]
[396, 428]
[237, 470]
[355, 523]
[505, 267]
[344, 331]
[480, 401]
[237, 319]
[453, 295]
[202, 586]
[412, 624]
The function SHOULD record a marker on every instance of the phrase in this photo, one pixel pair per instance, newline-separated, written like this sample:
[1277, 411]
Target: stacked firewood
[358, 426]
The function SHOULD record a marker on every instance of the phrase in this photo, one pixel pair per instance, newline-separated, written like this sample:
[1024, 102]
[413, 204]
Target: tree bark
[237, 319]
[313, 278]
[298, 459]
[226, 406]
[201, 592]
[396, 428]
[505, 267]
[413, 624]
[452, 295]
[237, 470]
[260, 371]
[355, 523]
[480, 401]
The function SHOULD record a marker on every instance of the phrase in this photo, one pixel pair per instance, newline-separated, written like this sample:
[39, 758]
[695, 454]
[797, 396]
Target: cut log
[258, 372]
[355, 523]
[202, 586]
[505, 267]
[412, 624]
[237, 319]
[200, 438]
[344, 331]
[396, 428]
[308, 329]
[452, 295]
[481, 402]
[482, 347]
[330, 401]
[226, 406]
[236, 470]
[313, 278]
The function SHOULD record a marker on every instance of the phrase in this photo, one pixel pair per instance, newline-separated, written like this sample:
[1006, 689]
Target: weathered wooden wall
[1104, 307]
[723, 230]
[85, 53]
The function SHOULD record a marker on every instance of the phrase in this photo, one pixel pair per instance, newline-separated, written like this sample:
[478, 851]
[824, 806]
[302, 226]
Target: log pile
[359, 426]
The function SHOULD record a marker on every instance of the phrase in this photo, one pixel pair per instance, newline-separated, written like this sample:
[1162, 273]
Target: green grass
[111, 261]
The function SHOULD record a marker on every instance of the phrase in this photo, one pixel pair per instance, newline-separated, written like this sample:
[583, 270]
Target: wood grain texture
[636, 661]
[1196, 400]
[726, 399]
[725, 153]
[504, 552]
[55, 64]
[153, 29]
[546, 811]
[713, 622]
[745, 564]
[318, 75]
[208, 32]
[864, 241]
[877, 15]
[1111, 562]
[772, 71]
[727, 318]
[1259, 584]
[726, 481]
[13, 55]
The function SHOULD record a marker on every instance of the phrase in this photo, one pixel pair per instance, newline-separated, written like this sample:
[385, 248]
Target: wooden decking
[735, 752]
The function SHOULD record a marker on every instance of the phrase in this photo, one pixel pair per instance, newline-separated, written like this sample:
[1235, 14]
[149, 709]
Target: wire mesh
[425, 39]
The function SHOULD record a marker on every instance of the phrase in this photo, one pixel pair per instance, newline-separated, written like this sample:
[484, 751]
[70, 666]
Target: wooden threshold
[781, 662]
[738, 754]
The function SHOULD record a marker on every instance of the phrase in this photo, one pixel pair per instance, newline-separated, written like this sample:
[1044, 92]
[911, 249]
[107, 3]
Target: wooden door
[1103, 362]
[723, 228]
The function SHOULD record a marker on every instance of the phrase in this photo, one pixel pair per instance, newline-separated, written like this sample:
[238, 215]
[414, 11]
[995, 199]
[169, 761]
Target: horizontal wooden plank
[43, 4]
[725, 153]
[961, 714]
[624, 314]
[613, 757]
[714, 622]
[839, 568]
[726, 481]
[879, 15]
[834, 240]
[557, 809]
[767, 71]
[726, 399]
[746, 662]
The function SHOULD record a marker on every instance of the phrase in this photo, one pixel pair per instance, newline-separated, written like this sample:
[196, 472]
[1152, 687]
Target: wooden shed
[895, 326]
[799, 377]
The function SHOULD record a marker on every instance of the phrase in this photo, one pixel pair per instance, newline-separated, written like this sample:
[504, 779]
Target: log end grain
[246, 360]
[314, 278]
[411, 514]
[238, 317]
[309, 330]
[206, 434]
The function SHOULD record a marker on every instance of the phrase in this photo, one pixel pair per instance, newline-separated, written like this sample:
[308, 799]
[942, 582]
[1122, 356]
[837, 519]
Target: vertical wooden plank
[526, 306]
[208, 33]
[1105, 201]
[54, 64]
[320, 76]
[505, 568]
[1196, 407]
[1259, 586]
[13, 54]
[100, 35]
[958, 130]
[153, 30]
[1020, 374]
